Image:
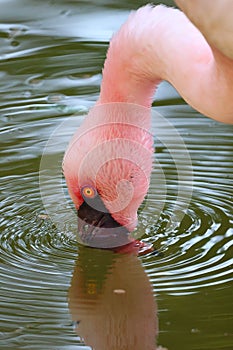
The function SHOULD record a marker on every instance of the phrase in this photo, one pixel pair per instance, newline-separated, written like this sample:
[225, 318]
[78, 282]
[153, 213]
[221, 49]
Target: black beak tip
[97, 228]
[104, 237]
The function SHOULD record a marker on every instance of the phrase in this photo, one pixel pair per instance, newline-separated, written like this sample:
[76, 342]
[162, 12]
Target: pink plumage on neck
[160, 43]
[154, 44]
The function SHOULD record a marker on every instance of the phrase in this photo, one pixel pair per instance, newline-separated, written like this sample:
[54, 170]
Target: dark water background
[51, 58]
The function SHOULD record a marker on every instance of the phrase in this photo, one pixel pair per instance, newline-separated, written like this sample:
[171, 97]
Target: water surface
[50, 66]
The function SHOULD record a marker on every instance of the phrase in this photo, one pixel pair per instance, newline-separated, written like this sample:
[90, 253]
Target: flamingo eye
[88, 192]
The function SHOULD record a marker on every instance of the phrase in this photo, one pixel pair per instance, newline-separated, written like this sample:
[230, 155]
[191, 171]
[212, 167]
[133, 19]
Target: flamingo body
[160, 43]
[111, 151]
[214, 20]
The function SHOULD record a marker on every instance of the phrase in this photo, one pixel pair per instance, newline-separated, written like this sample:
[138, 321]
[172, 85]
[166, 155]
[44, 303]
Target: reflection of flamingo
[155, 44]
[113, 310]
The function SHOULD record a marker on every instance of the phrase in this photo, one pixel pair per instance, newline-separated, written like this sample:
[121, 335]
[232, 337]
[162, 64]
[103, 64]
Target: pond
[56, 294]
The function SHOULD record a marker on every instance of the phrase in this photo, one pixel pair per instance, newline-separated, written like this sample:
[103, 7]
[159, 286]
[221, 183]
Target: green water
[51, 58]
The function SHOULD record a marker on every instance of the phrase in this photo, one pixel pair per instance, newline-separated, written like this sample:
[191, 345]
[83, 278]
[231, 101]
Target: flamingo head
[107, 169]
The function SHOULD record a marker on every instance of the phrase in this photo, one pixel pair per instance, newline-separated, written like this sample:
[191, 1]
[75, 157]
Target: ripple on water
[36, 260]
[36, 264]
[198, 252]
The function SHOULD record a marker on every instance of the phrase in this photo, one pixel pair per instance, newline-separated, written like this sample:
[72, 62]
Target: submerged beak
[97, 228]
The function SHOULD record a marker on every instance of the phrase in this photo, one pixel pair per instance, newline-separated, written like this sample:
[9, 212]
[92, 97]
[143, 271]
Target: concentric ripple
[49, 68]
[198, 251]
[35, 269]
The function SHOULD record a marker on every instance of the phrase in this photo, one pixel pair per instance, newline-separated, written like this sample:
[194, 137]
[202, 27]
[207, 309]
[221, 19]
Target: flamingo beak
[97, 228]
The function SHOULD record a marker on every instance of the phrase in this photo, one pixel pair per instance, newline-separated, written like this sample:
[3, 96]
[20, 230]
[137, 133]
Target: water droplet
[119, 291]
[195, 330]
[65, 12]
[55, 98]
[16, 31]
[86, 227]
[14, 43]
[27, 94]
[43, 216]
[35, 80]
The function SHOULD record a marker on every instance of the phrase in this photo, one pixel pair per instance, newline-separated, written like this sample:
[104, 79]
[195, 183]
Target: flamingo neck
[160, 43]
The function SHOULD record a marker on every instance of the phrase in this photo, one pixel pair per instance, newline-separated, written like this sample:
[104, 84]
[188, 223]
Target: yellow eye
[88, 191]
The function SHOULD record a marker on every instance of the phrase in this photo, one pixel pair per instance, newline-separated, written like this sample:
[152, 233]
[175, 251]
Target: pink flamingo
[108, 162]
